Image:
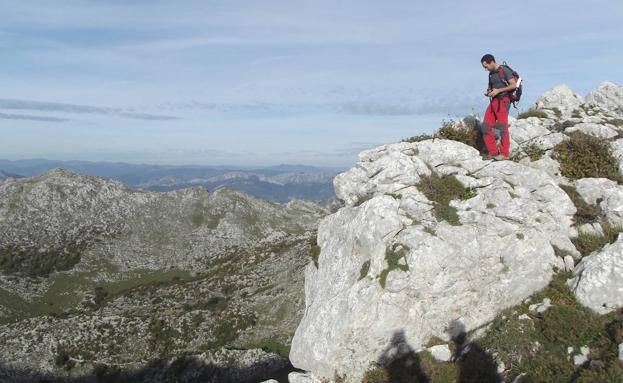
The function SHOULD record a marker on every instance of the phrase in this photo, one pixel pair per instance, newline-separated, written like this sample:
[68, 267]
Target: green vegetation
[315, 249]
[394, 195]
[538, 347]
[418, 138]
[225, 330]
[534, 152]
[576, 113]
[532, 112]
[161, 337]
[469, 193]
[365, 267]
[274, 347]
[441, 190]
[33, 261]
[429, 230]
[587, 243]
[557, 112]
[561, 127]
[393, 255]
[63, 356]
[616, 122]
[450, 131]
[585, 156]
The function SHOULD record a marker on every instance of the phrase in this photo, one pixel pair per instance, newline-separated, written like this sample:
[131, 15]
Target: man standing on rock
[501, 85]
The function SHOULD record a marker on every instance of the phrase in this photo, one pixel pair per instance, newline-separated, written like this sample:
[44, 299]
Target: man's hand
[494, 92]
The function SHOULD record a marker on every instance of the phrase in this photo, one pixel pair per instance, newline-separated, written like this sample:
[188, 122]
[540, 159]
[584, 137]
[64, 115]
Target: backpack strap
[501, 73]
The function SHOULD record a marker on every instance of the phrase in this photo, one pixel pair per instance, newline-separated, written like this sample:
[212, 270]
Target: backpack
[515, 95]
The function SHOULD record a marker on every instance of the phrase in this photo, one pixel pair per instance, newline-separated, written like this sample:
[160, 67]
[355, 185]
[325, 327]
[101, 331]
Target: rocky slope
[435, 242]
[99, 277]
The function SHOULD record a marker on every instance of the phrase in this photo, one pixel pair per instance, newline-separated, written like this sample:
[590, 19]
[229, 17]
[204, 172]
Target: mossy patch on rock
[393, 256]
[532, 113]
[586, 243]
[441, 190]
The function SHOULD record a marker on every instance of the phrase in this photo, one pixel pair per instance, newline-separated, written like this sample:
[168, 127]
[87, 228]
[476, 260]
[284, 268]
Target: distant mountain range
[279, 183]
[5, 175]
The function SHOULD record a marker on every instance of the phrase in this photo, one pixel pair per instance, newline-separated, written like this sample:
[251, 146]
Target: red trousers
[497, 112]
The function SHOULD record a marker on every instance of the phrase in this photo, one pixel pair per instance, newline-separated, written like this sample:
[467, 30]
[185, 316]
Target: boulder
[598, 278]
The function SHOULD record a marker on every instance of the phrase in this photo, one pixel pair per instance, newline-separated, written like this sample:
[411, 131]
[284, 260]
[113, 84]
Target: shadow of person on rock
[401, 361]
[475, 364]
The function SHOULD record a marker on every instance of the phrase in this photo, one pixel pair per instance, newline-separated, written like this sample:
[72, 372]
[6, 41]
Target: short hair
[487, 58]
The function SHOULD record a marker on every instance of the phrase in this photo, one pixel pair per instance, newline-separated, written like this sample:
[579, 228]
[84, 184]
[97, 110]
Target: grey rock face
[608, 96]
[561, 97]
[467, 272]
[598, 278]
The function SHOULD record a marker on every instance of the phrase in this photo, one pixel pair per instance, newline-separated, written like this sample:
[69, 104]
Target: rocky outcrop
[560, 97]
[608, 96]
[598, 279]
[401, 259]
[465, 272]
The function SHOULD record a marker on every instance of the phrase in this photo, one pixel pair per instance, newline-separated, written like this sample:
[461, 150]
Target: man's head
[488, 62]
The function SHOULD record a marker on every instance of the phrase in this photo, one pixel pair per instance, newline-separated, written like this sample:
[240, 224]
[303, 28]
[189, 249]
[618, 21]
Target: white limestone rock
[592, 129]
[608, 96]
[541, 307]
[597, 280]
[561, 97]
[299, 377]
[617, 152]
[440, 352]
[605, 193]
[467, 272]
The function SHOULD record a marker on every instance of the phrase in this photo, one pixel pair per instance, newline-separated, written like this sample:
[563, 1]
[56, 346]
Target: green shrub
[616, 122]
[418, 138]
[557, 112]
[585, 156]
[450, 130]
[441, 190]
[365, 267]
[393, 255]
[532, 113]
[587, 243]
[314, 249]
[31, 261]
[534, 152]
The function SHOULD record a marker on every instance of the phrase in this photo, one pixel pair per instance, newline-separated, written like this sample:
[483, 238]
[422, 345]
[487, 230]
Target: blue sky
[268, 82]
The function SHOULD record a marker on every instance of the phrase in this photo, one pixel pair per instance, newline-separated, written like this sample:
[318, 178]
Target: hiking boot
[500, 157]
[489, 156]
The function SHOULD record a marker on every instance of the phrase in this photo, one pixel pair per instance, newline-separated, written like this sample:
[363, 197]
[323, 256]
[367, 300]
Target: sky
[271, 82]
